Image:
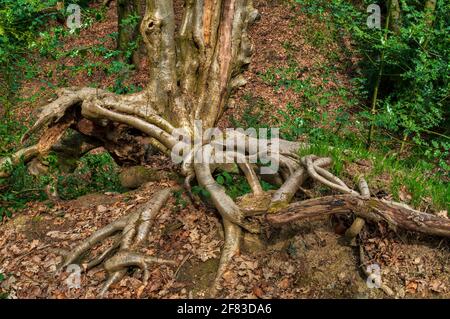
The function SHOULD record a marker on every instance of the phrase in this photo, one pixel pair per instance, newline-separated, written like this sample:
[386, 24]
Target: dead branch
[395, 214]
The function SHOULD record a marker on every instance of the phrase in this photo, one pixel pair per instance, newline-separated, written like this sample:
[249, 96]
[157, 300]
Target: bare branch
[395, 214]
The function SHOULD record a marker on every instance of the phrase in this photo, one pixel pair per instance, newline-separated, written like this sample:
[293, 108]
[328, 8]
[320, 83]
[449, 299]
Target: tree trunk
[193, 71]
[395, 16]
[128, 39]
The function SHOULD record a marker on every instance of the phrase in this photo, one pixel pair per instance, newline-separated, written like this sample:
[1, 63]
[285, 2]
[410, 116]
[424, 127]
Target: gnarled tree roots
[133, 231]
[193, 69]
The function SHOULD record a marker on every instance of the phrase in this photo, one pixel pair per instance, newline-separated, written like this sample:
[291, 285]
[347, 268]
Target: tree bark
[193, 72]
[395, 214]
[128, 33]
[395, 16]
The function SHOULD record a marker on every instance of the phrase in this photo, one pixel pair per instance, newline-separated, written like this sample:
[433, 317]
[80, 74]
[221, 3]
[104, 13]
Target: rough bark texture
[395, 214]
[194, 70]
[395, 16]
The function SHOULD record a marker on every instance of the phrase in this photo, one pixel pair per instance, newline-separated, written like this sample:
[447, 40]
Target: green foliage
[19, 22]
[237, 185]
[28, 34]
[18, 189]
[388, 172]
[95, 173]
[11, 131]
[200, 191]
[413, 97]
[253, 113]
[180, 202]
[335, 134]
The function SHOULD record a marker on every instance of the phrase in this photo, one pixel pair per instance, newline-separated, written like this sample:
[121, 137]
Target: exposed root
[188, 188]
[224, 204]
[325, 177]
[233, 217]
[45, 143]
[311, 166]
[25, 153]
[283, 196]
[133, 229]
[358, 223]
[56, 110]
[355, 228]
[252, 178]
[99, 106]
[117, 266]
[363, 264]
[93, 110]
[360, 203]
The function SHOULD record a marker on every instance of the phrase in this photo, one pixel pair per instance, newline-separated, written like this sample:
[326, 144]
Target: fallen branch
[395, 214]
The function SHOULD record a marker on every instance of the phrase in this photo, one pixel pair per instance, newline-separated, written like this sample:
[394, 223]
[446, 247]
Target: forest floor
[308, 259]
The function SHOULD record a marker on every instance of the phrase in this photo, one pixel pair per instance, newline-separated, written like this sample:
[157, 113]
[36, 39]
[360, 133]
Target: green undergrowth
[92, 173]
[409, 150]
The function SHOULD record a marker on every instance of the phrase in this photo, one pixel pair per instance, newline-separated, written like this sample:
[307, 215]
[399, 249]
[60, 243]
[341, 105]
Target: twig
[181, 265]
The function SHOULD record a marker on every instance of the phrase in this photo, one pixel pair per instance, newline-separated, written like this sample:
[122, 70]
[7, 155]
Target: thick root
[355, 228]
[283, 196]
[358, 223]
[224, 204]
[134, 230]
[230, 249]
[57, 109]
[96, 105]
[397, 215]
[7, 162]
[44, 145]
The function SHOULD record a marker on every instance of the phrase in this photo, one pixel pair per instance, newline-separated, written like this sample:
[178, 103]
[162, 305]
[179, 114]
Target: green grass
[390, 174]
